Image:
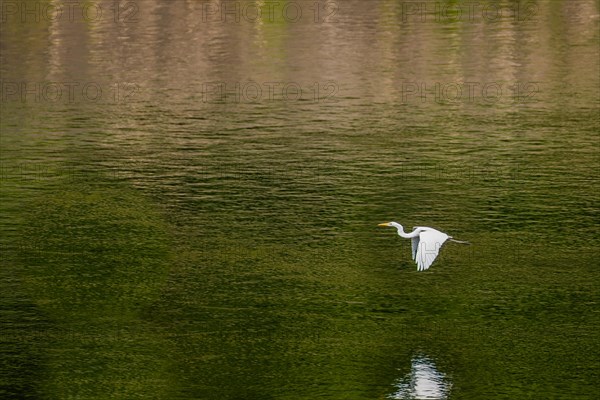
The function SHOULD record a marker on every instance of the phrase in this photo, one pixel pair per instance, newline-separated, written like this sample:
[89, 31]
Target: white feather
[430, 243]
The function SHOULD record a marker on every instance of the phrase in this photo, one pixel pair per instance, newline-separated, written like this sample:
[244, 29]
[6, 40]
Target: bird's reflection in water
[423, 382]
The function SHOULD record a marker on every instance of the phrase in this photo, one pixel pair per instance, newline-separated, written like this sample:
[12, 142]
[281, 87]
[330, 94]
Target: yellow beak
[384, 224]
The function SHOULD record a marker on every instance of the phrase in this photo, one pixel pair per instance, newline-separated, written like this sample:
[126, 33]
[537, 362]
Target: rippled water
[423, 382]
[190, 202]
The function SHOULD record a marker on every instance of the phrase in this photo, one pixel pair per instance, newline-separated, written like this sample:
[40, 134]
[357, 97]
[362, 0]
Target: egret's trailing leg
[458, 241]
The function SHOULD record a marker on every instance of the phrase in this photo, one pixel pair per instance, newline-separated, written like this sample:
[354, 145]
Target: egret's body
[426, 243]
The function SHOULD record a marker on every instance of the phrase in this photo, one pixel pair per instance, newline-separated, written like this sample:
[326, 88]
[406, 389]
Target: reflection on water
[424, 381]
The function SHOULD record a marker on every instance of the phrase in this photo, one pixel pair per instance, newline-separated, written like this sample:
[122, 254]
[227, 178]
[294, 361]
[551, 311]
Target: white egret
[426, 243]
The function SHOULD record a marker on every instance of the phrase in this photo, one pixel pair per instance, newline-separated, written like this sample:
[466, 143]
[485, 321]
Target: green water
[165, 241]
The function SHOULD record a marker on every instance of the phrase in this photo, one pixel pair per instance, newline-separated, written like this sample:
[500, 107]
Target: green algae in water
[92, 257]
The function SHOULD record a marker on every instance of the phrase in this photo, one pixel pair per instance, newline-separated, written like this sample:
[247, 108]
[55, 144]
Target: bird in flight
[426, 243]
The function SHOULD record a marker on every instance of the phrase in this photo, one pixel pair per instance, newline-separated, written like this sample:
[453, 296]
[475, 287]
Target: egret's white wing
[415, 246]
[430, 242]
[415, 242]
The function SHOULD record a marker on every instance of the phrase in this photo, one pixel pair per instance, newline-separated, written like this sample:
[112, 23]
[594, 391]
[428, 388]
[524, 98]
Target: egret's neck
[402, 233]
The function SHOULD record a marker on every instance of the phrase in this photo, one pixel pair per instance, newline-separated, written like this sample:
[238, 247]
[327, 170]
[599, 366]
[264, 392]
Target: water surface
[205, 227]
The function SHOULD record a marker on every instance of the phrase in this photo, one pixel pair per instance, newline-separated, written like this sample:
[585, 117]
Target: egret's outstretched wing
[415, 242]
[430, 242]
[415, 246]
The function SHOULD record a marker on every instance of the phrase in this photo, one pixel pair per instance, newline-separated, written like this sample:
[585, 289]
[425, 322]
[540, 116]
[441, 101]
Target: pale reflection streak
[424, 381]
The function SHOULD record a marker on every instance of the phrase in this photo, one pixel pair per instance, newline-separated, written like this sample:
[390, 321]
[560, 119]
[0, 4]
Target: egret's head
[386, 224]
